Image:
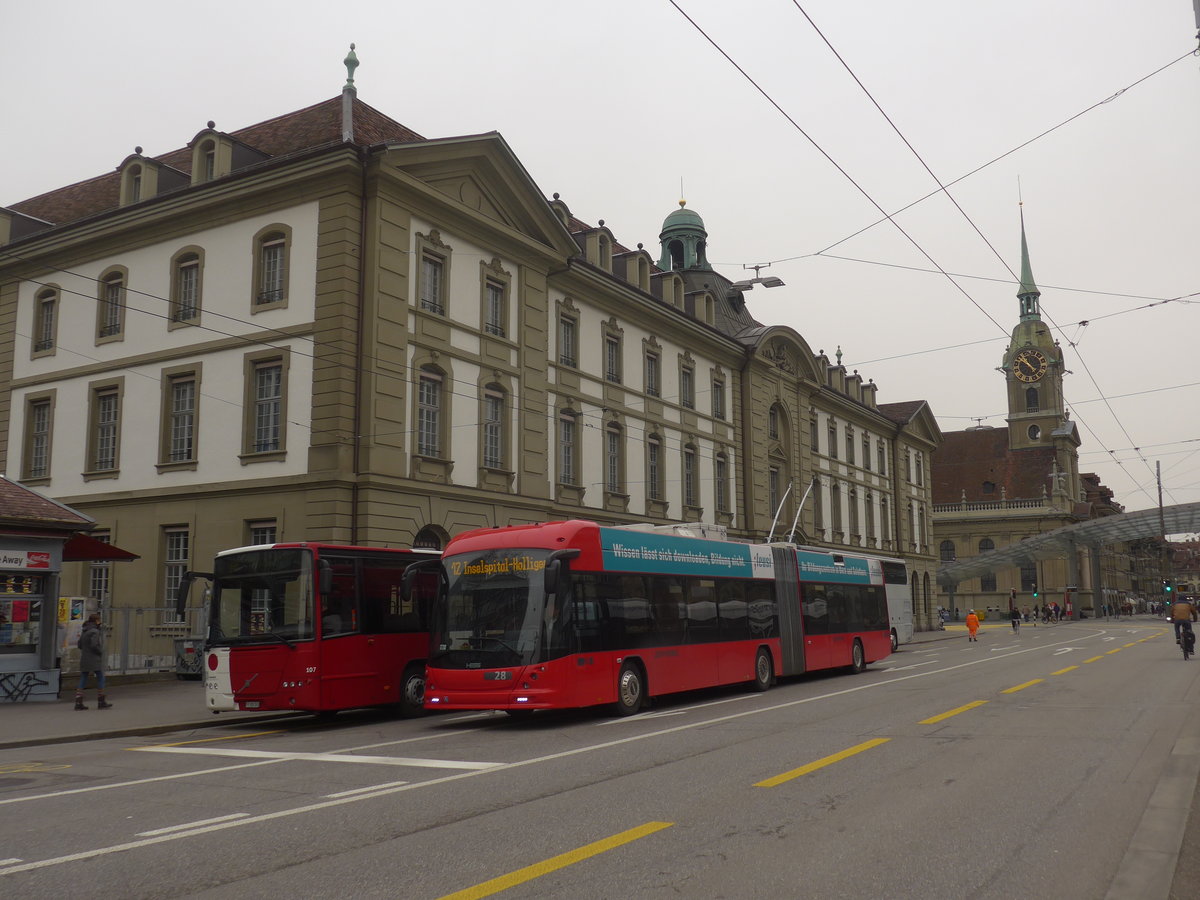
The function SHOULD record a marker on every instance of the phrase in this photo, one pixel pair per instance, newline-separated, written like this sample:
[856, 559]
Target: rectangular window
[612, 359]
[493, 322]
[270, 289]
[566, 449]
[654, 470]
[722, 479]
[37, 439]
[493, 430]
[849, 446]
[880, 458]
[773, 423]
[110, 311]
[920, 468]
[885, 530]
[264, 532]
[689, 477]
[182, 421]
[43, 338]
[866, 451]
[187, 291]
[431, 284]
[773, 489]
[568, 341]
[176, 554]
[429, 415]
[653, 374]
[106, 419]
[100, 573]
[814, 434]
[687, 388]
[718, 399]
[268, 407]
[833, 441]
[612, 455]
[870, 509]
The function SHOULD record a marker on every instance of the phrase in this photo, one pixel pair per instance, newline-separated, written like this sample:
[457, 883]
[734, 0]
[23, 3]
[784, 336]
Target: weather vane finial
[351, 62]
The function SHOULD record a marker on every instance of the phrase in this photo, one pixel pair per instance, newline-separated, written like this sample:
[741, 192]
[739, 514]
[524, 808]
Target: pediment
[482, 177]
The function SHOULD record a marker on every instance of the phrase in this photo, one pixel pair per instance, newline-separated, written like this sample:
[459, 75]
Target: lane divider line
[168, 830]
[228, 737]
[326, 757]
[1021, 687]
[822, 763]
[1065, 671]
[933, 720]
[554, 863]
[1093, 659]
[364, 790]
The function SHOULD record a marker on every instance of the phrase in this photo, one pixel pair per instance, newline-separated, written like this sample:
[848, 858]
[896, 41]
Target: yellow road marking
[1064, 671]
[822, 763]
[537, 870]
[26, 768]
[933, 720]
[1114, 650]
[1093, 659]
[1021, 687]
[1132, 644]
[229, 737]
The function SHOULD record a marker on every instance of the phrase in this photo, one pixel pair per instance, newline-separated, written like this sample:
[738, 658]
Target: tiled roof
[967, 460]
[901, 413]
[315, 126]
[23, 506]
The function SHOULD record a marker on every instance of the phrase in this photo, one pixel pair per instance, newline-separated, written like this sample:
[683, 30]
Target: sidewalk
[148, 707]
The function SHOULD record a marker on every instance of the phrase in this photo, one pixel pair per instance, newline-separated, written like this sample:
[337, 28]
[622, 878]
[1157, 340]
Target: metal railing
[146, 641]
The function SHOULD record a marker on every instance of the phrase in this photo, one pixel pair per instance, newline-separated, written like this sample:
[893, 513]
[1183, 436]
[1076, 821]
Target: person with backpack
[91, 659]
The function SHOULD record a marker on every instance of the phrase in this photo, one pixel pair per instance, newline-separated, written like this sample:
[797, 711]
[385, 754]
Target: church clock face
[1029, 366]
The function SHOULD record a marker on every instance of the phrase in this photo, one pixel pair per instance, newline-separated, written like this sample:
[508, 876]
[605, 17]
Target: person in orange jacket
[972, 625]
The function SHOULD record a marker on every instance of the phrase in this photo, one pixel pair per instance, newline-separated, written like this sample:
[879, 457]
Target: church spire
[1028, 292]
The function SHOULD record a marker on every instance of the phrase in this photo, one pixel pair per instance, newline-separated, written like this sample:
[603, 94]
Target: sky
[790, 126]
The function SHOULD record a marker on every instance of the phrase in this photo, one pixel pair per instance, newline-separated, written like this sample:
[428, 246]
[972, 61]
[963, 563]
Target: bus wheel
[859, 663]
[895, 641]
[764, 672]
[412, 692]
[630, 689]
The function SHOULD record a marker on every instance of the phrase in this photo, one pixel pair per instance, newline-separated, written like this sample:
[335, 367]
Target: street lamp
[740, 287]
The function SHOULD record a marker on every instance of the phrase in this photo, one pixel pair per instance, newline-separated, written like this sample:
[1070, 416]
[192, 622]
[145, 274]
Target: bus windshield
[495, 613]
[262, 596]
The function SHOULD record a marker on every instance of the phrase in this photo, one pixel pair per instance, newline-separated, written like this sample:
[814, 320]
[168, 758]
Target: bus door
[814, 606]
[354, 656]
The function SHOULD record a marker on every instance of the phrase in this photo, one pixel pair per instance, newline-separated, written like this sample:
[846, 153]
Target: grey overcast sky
[613, 104]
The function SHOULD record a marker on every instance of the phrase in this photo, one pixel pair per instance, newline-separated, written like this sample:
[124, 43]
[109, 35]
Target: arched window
[1029, 581]
[1031, 399]
[272, 249]
[986, 545]
[430, 538]
[947, 551]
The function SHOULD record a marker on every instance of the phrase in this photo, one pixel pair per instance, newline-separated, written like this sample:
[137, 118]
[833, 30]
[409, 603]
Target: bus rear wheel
[764, 672]
[412, 692]
[631, 688]
[858, 657]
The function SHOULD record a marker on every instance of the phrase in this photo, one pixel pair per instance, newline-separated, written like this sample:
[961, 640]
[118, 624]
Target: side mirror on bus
[414, 571]
[554, 567]
[185, 588]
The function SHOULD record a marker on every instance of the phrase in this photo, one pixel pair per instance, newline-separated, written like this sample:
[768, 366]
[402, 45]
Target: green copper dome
[683, 218]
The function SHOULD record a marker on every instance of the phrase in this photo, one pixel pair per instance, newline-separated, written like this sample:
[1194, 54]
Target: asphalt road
[1019, 766]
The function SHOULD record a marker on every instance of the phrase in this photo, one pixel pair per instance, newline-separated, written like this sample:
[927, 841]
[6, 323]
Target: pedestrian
[91, 659]
[972, 625]
[1015, 615]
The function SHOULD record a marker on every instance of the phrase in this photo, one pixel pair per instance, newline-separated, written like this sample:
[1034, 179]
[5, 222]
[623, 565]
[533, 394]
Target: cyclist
[1015, 616]
[1183, 614]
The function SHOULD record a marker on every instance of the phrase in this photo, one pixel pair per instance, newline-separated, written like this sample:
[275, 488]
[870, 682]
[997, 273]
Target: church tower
[1033, 370]
[683, 240]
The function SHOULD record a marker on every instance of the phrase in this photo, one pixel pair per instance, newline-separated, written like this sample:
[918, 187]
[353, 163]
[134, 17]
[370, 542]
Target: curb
[143, 729]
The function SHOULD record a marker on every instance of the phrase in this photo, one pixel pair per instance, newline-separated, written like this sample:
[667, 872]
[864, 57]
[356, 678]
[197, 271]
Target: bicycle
[1187, 640]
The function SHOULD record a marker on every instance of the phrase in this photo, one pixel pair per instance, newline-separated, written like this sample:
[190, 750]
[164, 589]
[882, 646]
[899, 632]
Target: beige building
[325, 326]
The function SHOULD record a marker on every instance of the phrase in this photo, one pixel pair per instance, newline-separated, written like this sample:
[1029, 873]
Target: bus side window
[702, 612]
[815, 606]
[339, 607]
[732, 609]
[667, 602]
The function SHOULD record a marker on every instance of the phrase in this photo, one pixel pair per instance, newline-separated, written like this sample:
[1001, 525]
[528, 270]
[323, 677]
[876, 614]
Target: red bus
[574, 614]
[317, 627]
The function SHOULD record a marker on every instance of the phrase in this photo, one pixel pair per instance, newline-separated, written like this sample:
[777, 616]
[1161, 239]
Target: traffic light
[1035, 594]
[1167, 586]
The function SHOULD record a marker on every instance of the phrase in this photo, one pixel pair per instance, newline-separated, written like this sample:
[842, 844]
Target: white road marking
[1062, 650]
[931, 662]
[445, 779]
[269, 762]
[366, 790]
[5, 862]
[323, 757]
[168, 830]
[671, 712]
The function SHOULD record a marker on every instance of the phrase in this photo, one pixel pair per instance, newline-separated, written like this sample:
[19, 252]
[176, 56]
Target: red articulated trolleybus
[574, 614]
[317, 627]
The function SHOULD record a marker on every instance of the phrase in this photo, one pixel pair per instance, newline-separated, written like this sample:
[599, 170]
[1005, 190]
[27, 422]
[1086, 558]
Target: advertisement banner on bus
[627, 551]
[826, 567]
